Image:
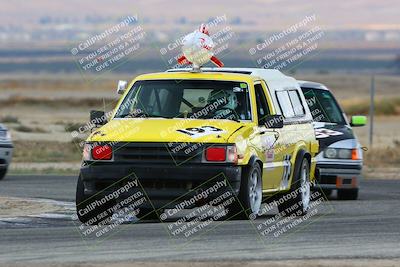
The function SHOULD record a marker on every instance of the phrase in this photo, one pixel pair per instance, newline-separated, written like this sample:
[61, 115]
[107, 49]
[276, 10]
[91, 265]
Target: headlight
[344, 153]
[8, 135]
[5, 135]
[330, 153]
[340, 153]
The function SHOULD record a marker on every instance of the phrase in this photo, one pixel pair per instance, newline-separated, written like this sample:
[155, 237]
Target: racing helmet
[228, 96]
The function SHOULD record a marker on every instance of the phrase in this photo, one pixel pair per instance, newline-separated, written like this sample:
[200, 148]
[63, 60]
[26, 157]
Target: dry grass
[41, 151]
[383, 156]
[61, 83]
[356, 86]
[385, 106]
[27, 129]
[9, 119]
[18, 100]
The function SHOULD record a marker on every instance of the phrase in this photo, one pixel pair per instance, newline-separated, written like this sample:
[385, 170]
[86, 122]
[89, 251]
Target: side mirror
[98, 117]
[121, 87]
[273, 121]
[357, 121]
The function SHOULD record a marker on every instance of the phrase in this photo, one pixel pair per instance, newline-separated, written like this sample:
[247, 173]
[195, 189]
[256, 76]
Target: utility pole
[371, 111]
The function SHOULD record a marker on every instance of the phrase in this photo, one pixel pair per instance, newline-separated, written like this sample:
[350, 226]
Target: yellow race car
[171, 133]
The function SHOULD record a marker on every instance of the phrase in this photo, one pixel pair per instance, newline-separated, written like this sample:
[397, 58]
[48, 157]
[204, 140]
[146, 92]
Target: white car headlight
[340, 153]
[5, 135]
[344, 153]
[8, 135]
[330, 153]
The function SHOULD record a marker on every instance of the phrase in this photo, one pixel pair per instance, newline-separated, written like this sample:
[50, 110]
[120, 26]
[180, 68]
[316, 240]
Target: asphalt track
[366, 228]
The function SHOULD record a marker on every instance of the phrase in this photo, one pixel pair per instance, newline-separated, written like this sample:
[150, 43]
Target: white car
[6, 149]
[340, 160]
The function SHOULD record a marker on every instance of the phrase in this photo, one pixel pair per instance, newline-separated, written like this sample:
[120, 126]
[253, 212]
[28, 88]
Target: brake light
[102, 152]
[215, 154]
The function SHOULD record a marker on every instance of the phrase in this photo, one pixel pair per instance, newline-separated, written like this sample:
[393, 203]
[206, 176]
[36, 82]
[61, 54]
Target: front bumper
[163, 184]
[337, 176]
[6, 150]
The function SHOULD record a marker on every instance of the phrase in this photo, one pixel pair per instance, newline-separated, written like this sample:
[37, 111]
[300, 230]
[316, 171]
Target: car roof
[313, 85]
[266, 74]
[194, 75]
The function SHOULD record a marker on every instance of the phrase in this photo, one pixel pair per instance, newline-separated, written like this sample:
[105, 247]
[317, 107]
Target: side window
[285, 104]
[296, 103]
[261, 100]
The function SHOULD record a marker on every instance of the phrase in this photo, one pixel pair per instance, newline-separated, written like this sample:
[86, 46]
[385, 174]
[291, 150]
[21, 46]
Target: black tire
[243, 209]
[3, 173]
[293, 202]
[347, 194]
[83, 200]
[327, 192]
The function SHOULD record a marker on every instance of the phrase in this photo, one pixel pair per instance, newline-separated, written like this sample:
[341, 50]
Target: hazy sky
[265, 14]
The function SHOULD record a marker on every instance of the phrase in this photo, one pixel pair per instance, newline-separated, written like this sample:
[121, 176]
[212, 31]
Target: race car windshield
[196, 99]
[323, 106]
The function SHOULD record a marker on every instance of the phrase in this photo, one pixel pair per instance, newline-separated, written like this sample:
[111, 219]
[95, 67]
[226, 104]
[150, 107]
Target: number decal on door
[287, 168]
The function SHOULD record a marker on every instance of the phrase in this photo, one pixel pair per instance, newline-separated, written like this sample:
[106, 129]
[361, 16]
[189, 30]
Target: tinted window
[323, 106]
[262, 105]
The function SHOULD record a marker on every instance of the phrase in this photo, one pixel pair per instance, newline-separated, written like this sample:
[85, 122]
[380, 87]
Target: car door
[267, 140]
[293, 132]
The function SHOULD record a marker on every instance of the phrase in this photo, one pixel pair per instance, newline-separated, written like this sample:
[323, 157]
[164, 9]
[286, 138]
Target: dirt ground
[12, 207]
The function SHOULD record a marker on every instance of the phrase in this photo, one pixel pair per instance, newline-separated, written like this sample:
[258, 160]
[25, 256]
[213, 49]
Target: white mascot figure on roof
[198, 49]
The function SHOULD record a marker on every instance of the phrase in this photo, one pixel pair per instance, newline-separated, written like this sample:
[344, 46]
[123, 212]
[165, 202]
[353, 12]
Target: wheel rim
[255, 192]
[305, 187]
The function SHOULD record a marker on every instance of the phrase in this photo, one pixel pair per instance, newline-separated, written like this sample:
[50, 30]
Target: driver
[225, 103]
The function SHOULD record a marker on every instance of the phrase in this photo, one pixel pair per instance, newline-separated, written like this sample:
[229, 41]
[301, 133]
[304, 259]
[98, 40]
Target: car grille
[157, 152]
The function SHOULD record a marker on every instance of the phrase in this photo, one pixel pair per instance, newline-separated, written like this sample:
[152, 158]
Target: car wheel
[327, 192]
[82, 200]
[3, 173]
[297, 200]
[250, 195]
[347, 194]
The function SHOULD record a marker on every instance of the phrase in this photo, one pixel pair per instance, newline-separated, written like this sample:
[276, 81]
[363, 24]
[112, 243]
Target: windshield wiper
[158, 116]
[214, 118]
[132, 115]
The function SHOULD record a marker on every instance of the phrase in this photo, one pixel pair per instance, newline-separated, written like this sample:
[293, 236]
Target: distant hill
[251, 14]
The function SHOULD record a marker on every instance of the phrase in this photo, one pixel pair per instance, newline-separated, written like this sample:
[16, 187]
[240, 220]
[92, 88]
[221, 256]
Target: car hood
[166, 130]
[329, 133]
